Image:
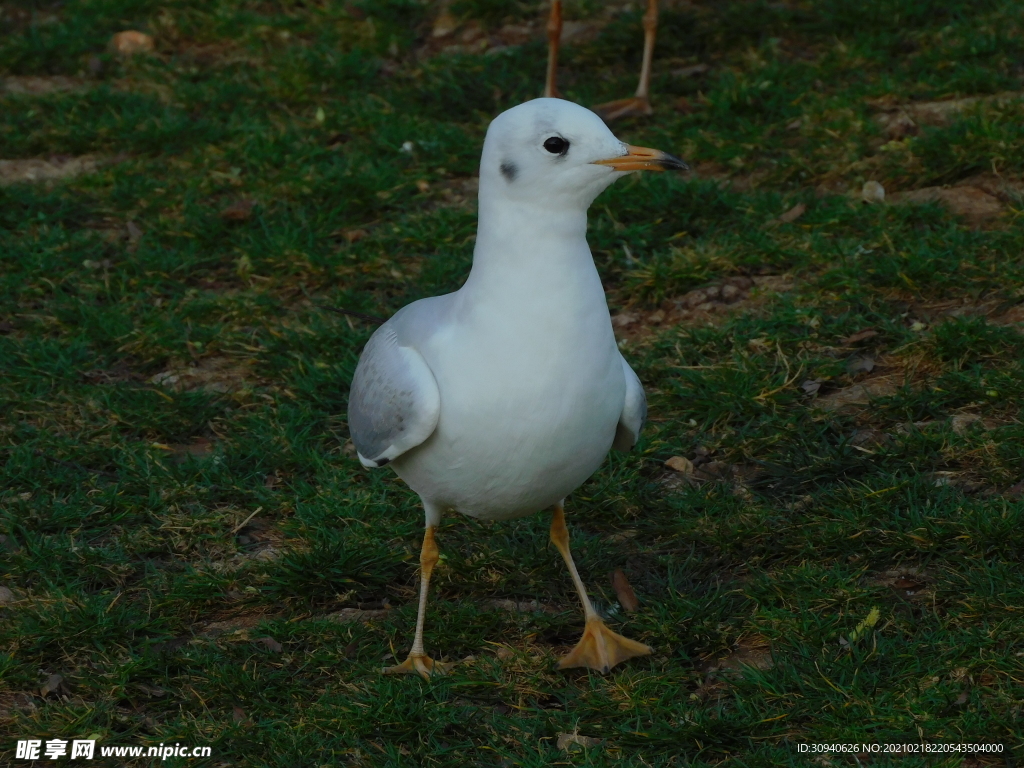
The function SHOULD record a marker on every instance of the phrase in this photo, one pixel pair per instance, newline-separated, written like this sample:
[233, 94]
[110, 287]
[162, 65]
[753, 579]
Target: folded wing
[394, 403]
[634, 411]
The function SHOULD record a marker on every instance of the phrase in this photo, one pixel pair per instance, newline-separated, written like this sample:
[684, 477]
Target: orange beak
[644, 159]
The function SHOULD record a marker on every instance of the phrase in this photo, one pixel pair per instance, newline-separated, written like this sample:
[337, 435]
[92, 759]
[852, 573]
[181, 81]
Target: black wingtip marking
[509, 171]
[382, 462]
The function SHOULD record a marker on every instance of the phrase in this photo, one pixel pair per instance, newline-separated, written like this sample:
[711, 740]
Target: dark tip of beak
[672, 163]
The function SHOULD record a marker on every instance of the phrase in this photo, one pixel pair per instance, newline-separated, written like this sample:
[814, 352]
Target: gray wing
[634, 411]
[394, 403]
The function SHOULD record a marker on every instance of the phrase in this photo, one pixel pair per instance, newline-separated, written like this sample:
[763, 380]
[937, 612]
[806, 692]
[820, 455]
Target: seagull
[500, 399]
[640, 104]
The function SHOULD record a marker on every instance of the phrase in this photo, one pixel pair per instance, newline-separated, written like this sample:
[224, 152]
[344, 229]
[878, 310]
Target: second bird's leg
[639, 104]
[599, 648]
[418, 661]
[554, 37]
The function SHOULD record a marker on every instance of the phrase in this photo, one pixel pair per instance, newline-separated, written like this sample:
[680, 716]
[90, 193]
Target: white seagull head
[554, 152]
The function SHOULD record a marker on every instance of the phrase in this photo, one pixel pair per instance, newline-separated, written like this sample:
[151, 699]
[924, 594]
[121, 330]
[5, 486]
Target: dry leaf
[238, 211]
[444, 25]
[1015, 491]
[853, 338]
[238, 715]
[131, 42]
[793, 213]
[271, 644]
[569, 742]
[6, 596]
[134, 233]
[860, 365]
[898, 125]
[624, 592]
[423, 185]
[682, 104]
[811, 386]
[354, 235]
[680, 464]
[53, 684]
[962, 422]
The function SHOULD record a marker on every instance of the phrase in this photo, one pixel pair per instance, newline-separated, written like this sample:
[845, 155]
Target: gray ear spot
[509, 171]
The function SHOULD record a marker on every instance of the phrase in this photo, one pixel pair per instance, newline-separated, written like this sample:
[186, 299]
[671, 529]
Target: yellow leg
[554, 36]
[418, 661]
[599, 648]
[639, 104]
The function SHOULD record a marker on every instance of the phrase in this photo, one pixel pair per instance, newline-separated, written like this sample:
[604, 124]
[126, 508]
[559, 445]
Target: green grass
[121, 498]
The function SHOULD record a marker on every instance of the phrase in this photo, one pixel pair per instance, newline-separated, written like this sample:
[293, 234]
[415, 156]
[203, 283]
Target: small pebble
[873, 192]
[131, 42]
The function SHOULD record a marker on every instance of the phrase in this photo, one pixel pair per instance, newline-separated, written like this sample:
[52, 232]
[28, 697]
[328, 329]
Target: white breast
[531, 392]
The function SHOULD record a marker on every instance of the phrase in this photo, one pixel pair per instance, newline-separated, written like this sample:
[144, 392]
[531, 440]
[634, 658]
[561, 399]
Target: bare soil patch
[701, 469]
[37, 85]
[358, 615]
[710, 305]
[521, 606]
[221, 375]
[861, 393]
[56, 168]
[901, 120]
[751, 651]
[450, 35]
[975, 205]
[453, 193]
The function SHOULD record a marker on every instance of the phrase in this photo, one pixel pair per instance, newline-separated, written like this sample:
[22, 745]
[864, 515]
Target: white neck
[524, 249]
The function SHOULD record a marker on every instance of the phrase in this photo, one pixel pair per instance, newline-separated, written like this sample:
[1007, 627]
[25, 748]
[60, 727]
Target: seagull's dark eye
[556, 145]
